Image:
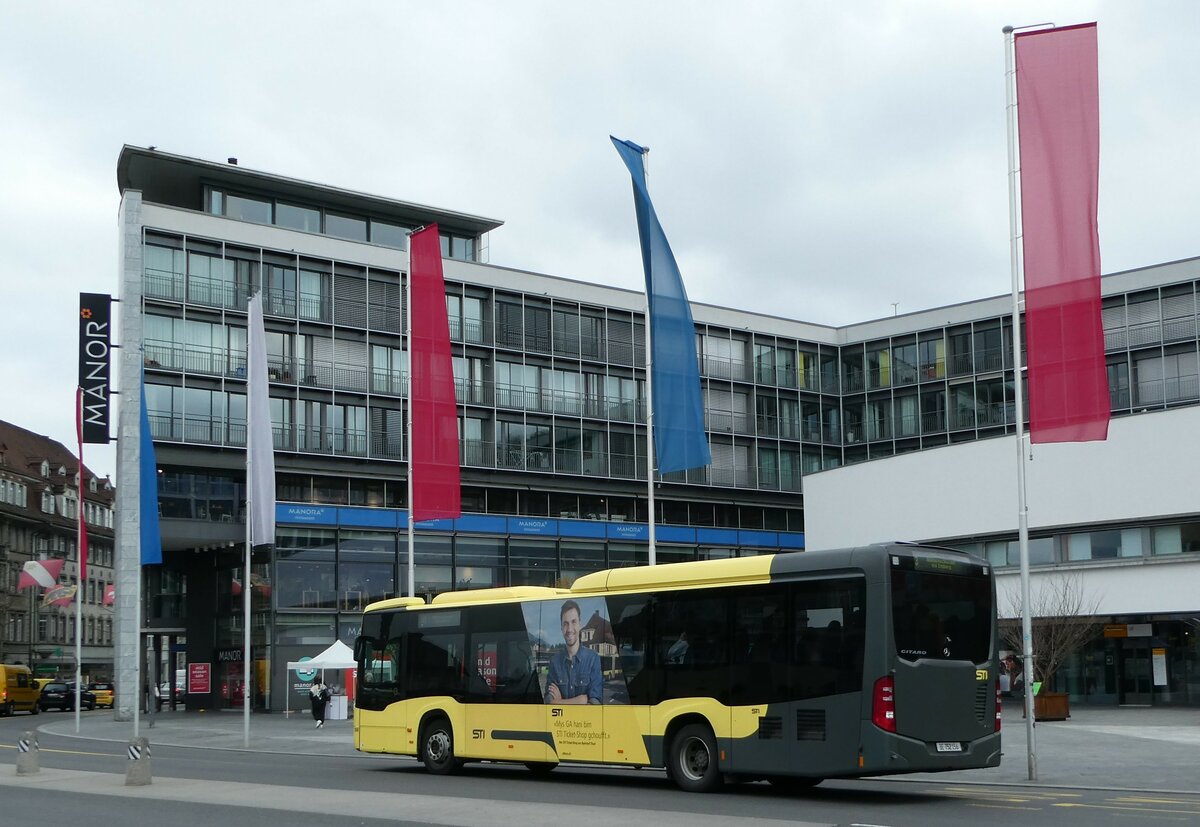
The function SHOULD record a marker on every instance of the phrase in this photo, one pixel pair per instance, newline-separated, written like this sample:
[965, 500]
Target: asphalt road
[244, 789]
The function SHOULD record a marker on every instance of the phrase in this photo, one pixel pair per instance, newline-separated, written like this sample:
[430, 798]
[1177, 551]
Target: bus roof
[698, 573]
[678, 575]
[395, 603]
[498, 595]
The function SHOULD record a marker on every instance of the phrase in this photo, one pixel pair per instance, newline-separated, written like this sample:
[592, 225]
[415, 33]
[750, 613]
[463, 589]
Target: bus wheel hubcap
[694, 759]
[439, 746]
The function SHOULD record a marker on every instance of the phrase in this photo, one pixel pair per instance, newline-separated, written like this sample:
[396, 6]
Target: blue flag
[151, 539]
[680, 442]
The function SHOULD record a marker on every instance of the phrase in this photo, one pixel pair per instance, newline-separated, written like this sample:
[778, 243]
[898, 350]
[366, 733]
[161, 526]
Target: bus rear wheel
[437, 747]
[693, 759]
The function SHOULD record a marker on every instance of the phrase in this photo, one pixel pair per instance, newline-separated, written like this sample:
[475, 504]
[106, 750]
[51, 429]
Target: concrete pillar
[137, 770]
[27, 754]
[126, 635]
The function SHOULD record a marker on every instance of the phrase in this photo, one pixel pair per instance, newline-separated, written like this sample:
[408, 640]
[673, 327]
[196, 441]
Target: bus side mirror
[360, 648]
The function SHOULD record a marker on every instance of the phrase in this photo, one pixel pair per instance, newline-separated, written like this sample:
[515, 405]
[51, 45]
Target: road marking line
[1128, 809]
[1003, 807]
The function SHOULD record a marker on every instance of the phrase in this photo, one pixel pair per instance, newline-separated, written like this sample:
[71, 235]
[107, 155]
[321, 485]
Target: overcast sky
[816, 160]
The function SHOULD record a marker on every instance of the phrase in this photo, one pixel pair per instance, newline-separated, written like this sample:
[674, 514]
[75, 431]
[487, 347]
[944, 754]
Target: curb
[244, 750]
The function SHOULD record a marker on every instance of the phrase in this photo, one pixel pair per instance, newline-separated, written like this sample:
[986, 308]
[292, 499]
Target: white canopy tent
[336, 656]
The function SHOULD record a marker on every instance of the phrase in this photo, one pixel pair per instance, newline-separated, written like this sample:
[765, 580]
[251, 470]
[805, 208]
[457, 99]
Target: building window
[298, 218]
[389, 235]
[244, 208]
[346, 226]
[1105, 545]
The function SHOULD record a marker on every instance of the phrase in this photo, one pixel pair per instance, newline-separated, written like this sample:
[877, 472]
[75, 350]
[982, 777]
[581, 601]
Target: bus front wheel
[437, 747]
[694, 765]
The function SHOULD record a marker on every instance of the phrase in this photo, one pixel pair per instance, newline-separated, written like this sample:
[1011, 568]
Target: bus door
[505, 717]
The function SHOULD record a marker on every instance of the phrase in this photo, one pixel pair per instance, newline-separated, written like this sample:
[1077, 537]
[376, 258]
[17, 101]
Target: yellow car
[103, 693]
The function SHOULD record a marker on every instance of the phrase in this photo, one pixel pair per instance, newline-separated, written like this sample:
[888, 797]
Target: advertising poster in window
[574, 652]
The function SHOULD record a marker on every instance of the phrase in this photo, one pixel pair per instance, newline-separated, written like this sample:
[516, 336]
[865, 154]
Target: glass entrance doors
[1136, 683]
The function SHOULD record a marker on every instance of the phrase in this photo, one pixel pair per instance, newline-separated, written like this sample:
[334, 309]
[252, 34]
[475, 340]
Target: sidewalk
[1152, 749]
[1146, 749]
[275, 732]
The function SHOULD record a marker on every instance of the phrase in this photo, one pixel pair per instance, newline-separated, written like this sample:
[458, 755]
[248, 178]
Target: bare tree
[1064, 621]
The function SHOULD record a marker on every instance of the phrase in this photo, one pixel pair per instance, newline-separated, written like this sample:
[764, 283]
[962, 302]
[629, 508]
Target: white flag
[260, 445]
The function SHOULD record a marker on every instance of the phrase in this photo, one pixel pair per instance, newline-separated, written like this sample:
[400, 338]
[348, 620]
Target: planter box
[1051, 706]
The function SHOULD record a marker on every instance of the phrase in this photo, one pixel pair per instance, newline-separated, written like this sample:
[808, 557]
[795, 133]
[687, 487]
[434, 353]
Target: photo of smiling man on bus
[575, 676]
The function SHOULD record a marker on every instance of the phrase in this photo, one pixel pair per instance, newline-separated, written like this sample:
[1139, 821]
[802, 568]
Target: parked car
[104, 693]
[58, 695]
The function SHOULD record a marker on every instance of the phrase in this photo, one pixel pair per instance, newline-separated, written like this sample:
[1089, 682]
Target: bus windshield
[942, 615]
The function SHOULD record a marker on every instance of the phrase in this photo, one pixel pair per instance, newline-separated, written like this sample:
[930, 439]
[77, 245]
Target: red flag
[1058, 114]
[433, 455]
[110, 594]
[42, 573]
[83, 543]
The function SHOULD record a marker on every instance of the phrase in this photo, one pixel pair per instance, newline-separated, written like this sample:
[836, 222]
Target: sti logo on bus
[981, 674]
[476, 734]
[556, 713]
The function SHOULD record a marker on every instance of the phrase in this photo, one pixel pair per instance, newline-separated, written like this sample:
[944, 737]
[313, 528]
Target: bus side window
[434, 664]
[631, 630]
[692, 645]
[827, 623]
[501, 665]
[759, 671]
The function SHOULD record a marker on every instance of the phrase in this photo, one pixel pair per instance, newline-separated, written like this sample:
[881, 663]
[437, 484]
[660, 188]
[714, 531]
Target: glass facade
[552, 411]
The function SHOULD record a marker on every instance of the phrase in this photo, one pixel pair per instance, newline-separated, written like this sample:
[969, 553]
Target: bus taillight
[883, 706]
[997, 704]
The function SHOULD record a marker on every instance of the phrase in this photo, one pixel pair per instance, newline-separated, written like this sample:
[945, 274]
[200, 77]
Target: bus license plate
[949, 746]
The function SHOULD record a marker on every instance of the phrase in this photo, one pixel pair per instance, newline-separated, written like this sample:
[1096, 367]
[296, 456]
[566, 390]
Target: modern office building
[551, 395]
[40, 499]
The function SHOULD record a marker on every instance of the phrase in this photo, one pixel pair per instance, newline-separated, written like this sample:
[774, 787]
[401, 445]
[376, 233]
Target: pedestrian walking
[319, 695]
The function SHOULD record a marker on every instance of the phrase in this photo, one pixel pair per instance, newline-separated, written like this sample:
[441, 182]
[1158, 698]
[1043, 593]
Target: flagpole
[408, 329]
[246, 565]
[80, 544]
[653, 556]
[1022, 502]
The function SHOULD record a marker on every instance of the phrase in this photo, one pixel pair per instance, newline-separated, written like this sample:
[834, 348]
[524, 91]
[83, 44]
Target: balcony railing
[217, 293]
[989, 359]
[474, 453]
[473, 331]
[728, 422]
[566, 402]
[163, 284]
[1173, 389]
[718, 368]
[907, 425]
[960, 363]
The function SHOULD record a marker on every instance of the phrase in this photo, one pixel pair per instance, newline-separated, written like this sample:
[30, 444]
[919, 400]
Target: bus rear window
[942, 616]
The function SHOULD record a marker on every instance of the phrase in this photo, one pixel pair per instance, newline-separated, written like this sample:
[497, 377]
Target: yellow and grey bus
[792, 668]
